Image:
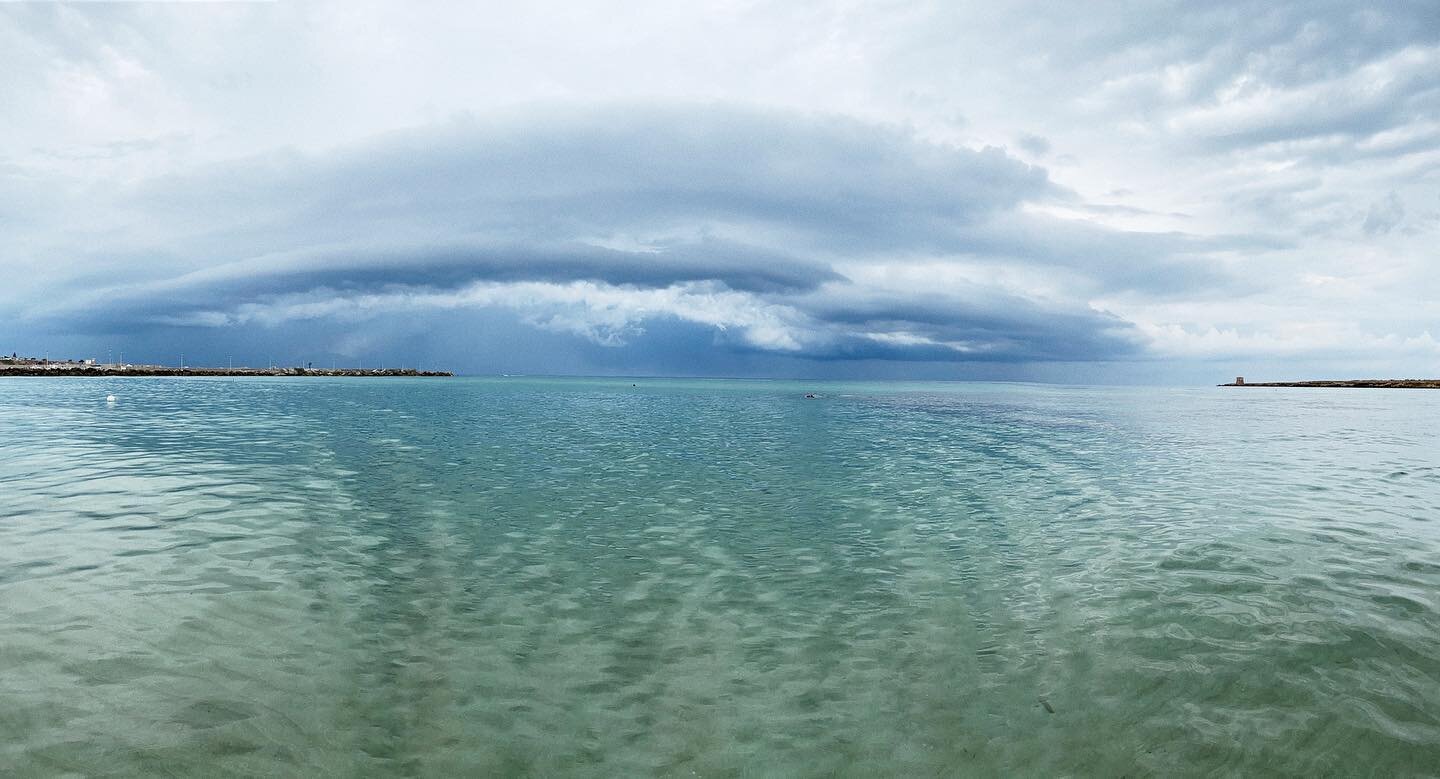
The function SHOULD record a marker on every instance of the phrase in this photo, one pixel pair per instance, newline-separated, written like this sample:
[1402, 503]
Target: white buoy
[109, 398]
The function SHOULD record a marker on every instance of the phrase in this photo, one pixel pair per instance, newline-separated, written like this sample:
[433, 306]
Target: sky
[1139, 192]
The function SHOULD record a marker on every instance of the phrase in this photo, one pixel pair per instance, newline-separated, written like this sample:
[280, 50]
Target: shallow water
[584, 577]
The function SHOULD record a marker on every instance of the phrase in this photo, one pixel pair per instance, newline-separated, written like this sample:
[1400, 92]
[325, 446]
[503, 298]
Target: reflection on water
[276, 577]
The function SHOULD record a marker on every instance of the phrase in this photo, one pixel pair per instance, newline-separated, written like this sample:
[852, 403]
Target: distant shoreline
[98, 371]
[1350, 383]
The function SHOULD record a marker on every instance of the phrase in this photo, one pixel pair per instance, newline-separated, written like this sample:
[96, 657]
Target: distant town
[16, 365]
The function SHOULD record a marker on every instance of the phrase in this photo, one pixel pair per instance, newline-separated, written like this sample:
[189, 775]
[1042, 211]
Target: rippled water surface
[509, 576]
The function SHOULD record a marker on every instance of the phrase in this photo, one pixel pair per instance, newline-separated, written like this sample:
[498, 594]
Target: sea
[645, 577]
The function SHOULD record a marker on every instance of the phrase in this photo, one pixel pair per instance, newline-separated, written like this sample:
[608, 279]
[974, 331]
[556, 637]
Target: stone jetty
[78, 369]
[1344, 383]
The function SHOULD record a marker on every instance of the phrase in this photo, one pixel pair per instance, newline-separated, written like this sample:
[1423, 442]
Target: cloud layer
[607, 221]
[722, 189]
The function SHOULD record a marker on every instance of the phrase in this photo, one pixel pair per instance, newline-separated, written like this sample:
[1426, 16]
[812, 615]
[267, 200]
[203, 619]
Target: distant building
[14, 358]
[1239, 380]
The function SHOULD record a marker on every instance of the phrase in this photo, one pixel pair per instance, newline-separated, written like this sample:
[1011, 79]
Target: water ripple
[272, 577]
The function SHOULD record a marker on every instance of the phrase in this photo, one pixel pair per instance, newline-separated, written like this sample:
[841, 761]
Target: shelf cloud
[1094, 194]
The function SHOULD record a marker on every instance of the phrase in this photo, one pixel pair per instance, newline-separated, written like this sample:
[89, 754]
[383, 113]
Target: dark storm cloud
[441, 268]
[827, 182]
[973, 321]
[766, 204]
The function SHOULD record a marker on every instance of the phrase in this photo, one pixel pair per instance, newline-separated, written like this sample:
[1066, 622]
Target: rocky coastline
[1346, 384]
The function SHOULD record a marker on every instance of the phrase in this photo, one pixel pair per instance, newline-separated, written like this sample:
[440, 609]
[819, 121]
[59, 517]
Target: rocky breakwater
[55, 370]
[1345, 384]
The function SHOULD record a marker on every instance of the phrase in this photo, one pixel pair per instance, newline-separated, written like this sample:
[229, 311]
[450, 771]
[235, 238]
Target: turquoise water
[434, 577]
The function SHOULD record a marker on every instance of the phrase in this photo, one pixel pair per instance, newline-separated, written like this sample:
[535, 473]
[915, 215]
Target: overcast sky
[1152, 192]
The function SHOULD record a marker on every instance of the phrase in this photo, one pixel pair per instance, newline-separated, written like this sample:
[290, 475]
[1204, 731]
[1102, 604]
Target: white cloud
[606, 314]
[1320, 339]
